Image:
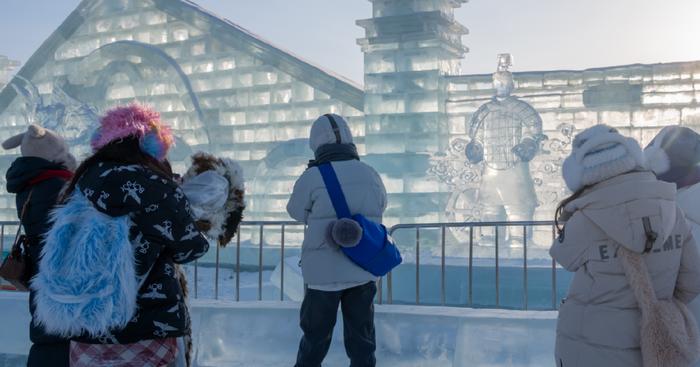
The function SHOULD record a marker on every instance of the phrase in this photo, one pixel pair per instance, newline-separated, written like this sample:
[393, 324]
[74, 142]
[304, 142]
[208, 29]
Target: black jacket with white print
[164, 234]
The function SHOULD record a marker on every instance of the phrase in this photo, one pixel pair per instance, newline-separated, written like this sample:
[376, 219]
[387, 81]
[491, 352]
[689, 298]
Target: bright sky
[541, 34]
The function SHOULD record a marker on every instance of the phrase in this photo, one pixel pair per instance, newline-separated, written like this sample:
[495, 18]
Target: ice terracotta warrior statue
[505, 135]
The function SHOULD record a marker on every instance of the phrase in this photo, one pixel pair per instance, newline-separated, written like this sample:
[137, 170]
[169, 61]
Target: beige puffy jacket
[600, 309]
[689, 202]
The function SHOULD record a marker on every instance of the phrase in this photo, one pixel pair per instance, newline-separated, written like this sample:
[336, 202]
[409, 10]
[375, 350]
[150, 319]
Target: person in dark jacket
[42, 171]
[129, 175]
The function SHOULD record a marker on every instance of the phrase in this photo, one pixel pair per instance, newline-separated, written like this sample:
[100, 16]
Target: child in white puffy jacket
[332, 279]
[615, 198]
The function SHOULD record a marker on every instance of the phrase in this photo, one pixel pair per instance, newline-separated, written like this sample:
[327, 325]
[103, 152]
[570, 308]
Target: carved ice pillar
[409, 46]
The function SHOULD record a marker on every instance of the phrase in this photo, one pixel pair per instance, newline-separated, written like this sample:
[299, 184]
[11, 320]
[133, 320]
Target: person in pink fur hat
[128, 176]
[155, 138]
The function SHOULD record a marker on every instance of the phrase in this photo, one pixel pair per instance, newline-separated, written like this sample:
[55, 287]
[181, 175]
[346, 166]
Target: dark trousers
[318, 316]
[49, 355]
[47, 350]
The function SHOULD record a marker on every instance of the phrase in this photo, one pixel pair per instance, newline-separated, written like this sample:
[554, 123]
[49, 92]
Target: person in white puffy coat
[332, 279]
[674, 155]
[614, 196]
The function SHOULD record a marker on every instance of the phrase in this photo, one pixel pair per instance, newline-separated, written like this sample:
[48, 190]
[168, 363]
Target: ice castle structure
[228, 91]
[6, 67]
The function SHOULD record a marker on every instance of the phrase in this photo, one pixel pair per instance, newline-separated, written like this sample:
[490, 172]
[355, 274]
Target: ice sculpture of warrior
[505, 136]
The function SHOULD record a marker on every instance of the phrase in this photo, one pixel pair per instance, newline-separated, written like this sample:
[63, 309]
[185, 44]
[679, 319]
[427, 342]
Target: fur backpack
[87, 283]
[669, 332]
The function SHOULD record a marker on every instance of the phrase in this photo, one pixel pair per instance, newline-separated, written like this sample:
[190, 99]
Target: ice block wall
[221, 87]
[228, 91]
[7, 66]
[409, 47]
[636, 99]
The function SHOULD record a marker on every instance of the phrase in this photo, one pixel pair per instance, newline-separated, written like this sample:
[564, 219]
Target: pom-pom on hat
[674, 154]
[138, 121]
[600, 153]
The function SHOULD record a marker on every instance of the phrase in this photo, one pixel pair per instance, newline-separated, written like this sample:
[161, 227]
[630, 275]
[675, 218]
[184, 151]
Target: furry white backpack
[669, 332]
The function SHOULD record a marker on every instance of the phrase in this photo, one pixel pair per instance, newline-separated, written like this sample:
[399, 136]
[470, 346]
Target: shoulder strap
[651, 236]
[24, 207]
[334, 190]
[637, 271]
[336, 128]
[22, 214]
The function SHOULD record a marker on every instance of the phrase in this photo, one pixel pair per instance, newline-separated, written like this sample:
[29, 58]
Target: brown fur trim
[202, 162]
[222, 224]
[182, 278]
[231, 227]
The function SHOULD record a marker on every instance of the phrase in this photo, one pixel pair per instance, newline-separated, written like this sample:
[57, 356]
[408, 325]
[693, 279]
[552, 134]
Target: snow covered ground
[252, 333]
[262, 334]
[248, 286]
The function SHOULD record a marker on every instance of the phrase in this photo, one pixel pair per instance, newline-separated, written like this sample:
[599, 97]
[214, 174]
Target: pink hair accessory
[138, 121]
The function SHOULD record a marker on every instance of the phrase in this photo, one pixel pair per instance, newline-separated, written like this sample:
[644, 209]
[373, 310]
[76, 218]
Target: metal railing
[5, 246]
[496, 226]
[261, 227]
[263, 230]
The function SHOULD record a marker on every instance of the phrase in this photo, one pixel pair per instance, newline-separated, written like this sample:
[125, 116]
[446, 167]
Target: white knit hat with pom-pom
[600, 153]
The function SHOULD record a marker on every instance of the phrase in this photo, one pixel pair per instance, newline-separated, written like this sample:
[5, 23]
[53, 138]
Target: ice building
[6, 68]
[636, 99]
[226, 90]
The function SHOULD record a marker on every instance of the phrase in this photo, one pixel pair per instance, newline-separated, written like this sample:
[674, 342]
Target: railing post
[390, 288]
[282, 266]
[2, 240]
[216, 273]
[442, 267]
[417, 266]
[554, 274]
[471, 266]
[260, 264]
[525, 266]
[498, 275]
[238, 265]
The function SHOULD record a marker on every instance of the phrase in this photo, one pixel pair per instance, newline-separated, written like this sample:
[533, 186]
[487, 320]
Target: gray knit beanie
[674, 153]
[43, 143]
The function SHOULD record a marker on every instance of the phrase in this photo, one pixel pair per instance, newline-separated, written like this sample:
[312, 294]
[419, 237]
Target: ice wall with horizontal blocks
[638, 100]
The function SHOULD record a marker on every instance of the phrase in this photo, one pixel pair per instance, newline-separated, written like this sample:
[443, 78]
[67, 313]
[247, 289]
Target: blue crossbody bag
[376, 251]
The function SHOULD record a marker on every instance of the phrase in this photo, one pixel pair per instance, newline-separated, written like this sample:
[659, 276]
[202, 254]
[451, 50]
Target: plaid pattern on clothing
[146, 353]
